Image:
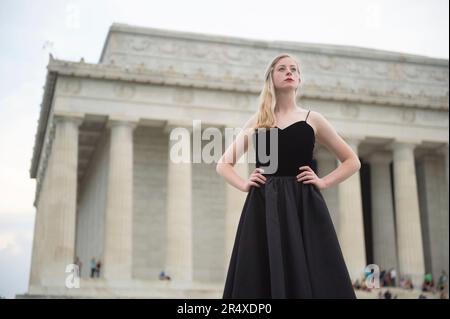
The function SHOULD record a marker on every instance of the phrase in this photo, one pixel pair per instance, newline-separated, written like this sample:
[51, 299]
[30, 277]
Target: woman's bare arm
[225, 165]
[327, 136]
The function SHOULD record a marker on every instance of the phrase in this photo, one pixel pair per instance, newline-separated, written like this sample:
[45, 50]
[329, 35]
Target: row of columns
[59, 211]
[54, 238]
[117, 255]
[397, 240]
[179, 251]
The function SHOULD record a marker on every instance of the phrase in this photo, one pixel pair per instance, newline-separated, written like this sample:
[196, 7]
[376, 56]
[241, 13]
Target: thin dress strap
[307, 115]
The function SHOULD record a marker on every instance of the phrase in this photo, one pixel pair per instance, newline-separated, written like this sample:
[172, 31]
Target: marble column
[409, 234]
[179, 250]
[326, 163]
[234, 204]
[445, 206]
[58, 245]
[351, 226]
[383, 225]
[117, 255]
[444, 151]
[433, 201]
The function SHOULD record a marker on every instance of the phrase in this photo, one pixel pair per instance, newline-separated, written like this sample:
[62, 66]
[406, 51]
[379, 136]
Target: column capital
[223, 128]
[380, 157]
[354, 141]
[403, 144]
[125, 121]
[76, 118]
[172, 124]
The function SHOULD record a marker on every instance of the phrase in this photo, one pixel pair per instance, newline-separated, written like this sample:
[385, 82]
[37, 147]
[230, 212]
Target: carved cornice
[330, 72]
[43, 121]
[321, 87]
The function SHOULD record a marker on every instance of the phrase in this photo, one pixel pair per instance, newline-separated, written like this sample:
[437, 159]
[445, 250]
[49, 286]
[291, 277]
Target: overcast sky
[29, 30]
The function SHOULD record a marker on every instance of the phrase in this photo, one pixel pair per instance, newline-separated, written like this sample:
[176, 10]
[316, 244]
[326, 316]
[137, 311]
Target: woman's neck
[285, 103]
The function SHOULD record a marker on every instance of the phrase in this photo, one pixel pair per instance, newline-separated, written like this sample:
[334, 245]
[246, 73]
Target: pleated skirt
[286, 246]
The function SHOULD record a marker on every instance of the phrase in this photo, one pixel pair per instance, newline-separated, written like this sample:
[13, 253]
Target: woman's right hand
[254, 178]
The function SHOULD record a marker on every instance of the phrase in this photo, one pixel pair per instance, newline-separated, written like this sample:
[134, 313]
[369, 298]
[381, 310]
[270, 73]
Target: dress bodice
[295, 147]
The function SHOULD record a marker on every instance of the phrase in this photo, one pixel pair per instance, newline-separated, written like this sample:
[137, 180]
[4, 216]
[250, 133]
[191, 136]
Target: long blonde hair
[267, 98]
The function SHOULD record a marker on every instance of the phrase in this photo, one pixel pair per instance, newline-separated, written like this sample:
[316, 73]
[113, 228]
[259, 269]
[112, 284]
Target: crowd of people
[388, 278]
[441, 287]
[95, 266]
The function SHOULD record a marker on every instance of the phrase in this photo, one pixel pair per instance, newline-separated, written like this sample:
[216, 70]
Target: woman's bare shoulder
[314, 119]
[317, 118]
[319, 122]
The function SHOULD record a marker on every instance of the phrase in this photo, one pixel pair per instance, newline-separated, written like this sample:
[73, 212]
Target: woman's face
[286, 75]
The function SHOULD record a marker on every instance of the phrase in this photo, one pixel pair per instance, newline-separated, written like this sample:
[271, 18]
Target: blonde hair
[267, 97]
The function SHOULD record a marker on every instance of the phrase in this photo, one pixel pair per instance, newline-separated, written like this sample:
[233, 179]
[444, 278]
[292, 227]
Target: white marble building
[106, 188]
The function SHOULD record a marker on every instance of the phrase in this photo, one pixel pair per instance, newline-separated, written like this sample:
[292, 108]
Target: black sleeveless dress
[286, 245]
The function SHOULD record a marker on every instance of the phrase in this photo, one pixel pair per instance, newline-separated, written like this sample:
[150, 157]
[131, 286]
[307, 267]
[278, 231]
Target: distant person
[356, 284]
[97, 268]
[79, 264]
[428, 283]
[443, 281]
[392, 275]
[93, 267]
[383, 277]
[163, 276]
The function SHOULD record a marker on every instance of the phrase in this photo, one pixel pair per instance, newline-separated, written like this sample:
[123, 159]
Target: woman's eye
[293, 69]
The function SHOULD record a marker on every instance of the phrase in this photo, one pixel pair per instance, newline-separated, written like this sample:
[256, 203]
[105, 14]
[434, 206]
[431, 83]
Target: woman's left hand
[307, 176]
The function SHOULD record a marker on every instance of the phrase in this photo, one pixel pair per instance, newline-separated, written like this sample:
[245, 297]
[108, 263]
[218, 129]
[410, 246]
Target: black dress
[286, 245]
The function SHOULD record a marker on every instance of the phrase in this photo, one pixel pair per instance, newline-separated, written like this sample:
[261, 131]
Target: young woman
[286, 245]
